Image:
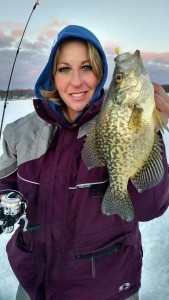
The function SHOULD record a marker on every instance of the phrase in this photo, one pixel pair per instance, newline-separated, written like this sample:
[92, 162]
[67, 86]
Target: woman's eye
[63, 69]
[86, 68]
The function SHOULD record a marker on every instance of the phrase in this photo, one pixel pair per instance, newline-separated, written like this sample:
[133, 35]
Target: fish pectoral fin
[152, 171]
[84, 129]
[159, 121]
[91, 154]
[116, 202]
[135, 121]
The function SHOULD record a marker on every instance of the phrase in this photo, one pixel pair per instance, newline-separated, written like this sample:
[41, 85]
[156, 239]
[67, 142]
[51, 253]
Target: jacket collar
[46, 113]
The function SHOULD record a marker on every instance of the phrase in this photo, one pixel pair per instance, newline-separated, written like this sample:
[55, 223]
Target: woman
[78, 253]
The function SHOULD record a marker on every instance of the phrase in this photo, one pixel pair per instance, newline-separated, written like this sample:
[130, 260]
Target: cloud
[158, 72]
[32, 56]
[35, 49]
[8, 25]
[16, 33]
[52, 29]
[40, 45]
[110, 46]
[151, 57]
[9, 33]
[5, 40]
[29, 65]
[32, 72]
[156, 58]
[156, 63]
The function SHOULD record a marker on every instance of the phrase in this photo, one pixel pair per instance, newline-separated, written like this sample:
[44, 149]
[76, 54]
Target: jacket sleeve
[8, 167]
[153, 202]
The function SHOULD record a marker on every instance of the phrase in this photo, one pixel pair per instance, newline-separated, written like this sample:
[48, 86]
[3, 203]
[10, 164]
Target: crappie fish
[122, 136]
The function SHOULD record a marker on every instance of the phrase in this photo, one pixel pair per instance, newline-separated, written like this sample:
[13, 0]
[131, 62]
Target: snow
[155, 237]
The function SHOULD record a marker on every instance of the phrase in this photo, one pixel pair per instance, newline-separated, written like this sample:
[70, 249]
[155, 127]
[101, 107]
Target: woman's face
[74, 79]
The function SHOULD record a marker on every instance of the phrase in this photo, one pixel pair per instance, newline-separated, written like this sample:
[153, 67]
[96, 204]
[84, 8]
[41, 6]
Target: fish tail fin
[116, 202]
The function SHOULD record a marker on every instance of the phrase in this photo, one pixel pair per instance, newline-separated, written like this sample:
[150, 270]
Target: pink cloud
[156, 57]
[147, 56]
[16, 32]
[2, 34]
[9, 25]
[110, 46]
[45, 37]
[5, 40]
[51, 30]
[12, 31]
[33, 72]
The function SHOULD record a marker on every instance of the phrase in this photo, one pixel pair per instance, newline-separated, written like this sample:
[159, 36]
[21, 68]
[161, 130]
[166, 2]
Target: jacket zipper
[101, 253]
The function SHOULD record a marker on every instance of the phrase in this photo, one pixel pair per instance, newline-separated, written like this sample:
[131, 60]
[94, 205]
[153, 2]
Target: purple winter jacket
[78, 253]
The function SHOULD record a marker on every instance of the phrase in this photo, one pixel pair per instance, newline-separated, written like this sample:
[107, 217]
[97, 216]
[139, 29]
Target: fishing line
[104, 7]
[17, 52]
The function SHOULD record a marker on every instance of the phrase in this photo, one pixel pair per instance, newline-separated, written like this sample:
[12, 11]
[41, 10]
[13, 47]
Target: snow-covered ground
[155, 236]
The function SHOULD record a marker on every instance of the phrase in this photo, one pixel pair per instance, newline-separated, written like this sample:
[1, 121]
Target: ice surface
[155, 237]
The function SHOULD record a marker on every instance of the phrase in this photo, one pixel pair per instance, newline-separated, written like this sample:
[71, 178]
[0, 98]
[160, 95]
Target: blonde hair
[94, 59]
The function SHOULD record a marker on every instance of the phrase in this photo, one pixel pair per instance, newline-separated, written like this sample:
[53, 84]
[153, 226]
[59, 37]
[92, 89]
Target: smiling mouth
[78, 95]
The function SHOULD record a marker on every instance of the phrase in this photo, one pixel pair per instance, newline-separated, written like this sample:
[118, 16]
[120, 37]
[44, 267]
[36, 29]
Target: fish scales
[122, 136]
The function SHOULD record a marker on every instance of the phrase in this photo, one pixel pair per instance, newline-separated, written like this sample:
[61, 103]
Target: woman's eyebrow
[66, 63]
[63, 63]
[86, 61]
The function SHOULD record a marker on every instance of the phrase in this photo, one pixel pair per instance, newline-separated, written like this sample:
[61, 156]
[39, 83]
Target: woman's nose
[76, 79]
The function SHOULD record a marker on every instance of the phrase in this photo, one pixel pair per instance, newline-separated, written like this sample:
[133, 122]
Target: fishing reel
[12, 209]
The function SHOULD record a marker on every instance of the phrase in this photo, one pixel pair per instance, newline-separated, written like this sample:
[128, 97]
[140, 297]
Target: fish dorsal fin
[152, 171]
[159, 121]
[135, 121]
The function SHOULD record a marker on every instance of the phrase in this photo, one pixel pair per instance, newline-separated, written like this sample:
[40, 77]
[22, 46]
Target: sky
[128, 24]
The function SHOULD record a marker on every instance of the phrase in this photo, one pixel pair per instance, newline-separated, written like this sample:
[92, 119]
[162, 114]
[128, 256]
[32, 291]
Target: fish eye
[119, 77]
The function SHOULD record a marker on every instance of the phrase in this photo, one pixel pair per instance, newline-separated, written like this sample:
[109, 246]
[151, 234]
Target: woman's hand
[162, 101]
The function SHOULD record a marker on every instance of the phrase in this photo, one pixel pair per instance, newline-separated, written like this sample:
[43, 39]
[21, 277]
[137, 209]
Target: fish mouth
[127, 56]
[127, 61]
[121, 90]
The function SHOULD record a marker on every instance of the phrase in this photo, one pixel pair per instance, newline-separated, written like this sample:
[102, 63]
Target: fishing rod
[17, 52]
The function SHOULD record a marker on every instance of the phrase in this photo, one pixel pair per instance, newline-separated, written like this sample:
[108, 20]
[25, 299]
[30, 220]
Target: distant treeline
[29, 93]
[18, 93]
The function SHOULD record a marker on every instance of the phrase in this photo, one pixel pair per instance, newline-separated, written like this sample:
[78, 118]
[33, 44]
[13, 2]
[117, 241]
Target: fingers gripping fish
[122, 136]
